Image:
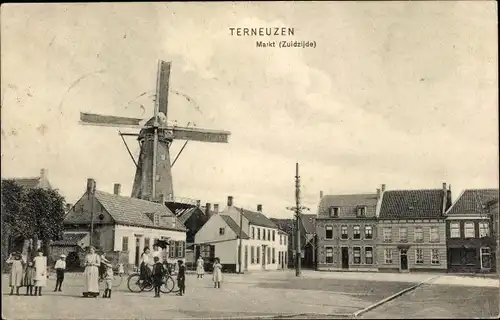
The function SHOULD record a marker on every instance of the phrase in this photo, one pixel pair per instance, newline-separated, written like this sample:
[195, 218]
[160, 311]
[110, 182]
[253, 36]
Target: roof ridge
[409, 190]
[131, 198]
[23, 178]
[350, 194]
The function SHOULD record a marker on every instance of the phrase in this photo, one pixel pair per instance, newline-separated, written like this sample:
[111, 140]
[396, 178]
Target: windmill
[153, 177]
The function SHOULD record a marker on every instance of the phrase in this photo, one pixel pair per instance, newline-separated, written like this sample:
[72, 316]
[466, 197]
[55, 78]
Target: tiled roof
[473, 201]
[308, 221]
[258, 219]
[70, 239]
[27, 182]
[234, 226]
[186, 214]
[412, 204]
[131, 211]
[348, 200]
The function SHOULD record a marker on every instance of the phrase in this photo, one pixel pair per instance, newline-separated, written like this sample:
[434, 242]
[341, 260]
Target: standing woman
[200, 267]
[40, 263]
[217, 277]
[91, 274]
[146, 265]
[16, 272]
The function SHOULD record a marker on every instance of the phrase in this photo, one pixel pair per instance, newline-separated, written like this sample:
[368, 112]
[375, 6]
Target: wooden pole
[155, 141]
[297, 222]
[240, 242]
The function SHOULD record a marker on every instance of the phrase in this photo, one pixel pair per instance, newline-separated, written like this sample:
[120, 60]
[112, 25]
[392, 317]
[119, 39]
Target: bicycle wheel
[117, 280]
[168, 284]
[134, 284]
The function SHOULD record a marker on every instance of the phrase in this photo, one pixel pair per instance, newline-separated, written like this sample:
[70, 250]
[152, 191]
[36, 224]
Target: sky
[396, 93]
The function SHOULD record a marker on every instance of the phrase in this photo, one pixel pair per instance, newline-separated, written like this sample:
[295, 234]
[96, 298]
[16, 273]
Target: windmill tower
[153, 177]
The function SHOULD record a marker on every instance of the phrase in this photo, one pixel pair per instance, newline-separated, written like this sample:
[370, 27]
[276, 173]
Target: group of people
[30, 274]
[217, 271]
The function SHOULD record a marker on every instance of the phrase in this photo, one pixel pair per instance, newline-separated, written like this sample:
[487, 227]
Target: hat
[62, 256]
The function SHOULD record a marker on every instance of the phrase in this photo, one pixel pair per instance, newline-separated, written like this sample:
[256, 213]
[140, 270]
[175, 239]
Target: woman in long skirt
[40, 263]
[200, 267]
[217, 276]
[146, 265]
[16, 272]
[91, 274]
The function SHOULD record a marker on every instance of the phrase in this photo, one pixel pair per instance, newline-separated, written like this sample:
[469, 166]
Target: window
[171, 249]
[205, 251]
[180, 250]
[274, 256]
[470, 256]
[368, 232]
[343, 233]
[221, 231]
[387, 232]
[419, 256]
[125, 244]
[268, 255]
[434, 234]
[156, 219]
[361, 211]
[328, 232]
[419, 234]
[274, 235]
[469, 230]
[484, 229]
[329, 255]
[356, 232]
[146, 242]
[257, 256]
[388, 256]
[268, 235]
[368, 255]
[258, 233]
[454, 230]
[356, 255]
[253, 232]
[485, 258]
[252, 255]
[334, 212]
[403, 234]
[434, 256]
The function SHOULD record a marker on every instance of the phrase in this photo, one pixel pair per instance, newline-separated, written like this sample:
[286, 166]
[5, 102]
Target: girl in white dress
[200, 267]
[40, 263]
[146, 265]
[91, 274]
[217, 276]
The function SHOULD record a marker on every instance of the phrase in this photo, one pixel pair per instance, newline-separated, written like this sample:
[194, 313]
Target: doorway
[403, 257]
[345, 257]
[485, 257]
[246, 259]
[263, 256]
[137, 250]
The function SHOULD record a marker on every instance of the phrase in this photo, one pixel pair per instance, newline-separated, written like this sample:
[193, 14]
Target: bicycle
[136, 285]
[117, 279]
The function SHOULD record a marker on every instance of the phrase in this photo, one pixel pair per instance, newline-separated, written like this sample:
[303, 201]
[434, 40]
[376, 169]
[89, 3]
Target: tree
[33, 213]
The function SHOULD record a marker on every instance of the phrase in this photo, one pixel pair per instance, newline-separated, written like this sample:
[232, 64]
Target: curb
[394, 296]
[284, 316]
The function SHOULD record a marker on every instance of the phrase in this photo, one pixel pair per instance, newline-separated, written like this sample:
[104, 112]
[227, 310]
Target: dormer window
[334, 212]
[361, 211]
[156, 219]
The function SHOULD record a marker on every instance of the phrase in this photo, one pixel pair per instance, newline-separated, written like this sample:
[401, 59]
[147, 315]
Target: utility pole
[240, 242]
[91, 196]
[298, 210]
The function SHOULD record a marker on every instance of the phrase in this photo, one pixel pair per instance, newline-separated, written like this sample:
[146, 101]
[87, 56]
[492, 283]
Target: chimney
[117, 188]
[379, 194]
[383, 188]
[163, 199]
[68, 206]
[444, 186]
[321, 194]
[230, 201]
[208, 212]
[43, 173]
[216, 208]
[198, 203]
[445, 198]
[91, 186]
[259, 208]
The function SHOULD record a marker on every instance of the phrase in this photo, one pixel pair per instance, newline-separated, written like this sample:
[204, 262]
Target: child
[121, 270]
[60, 268]
[108, 279]
[181, 278]
[16, 272]
[158, 273]
[40, 277]
[28, 278]
[217, 276]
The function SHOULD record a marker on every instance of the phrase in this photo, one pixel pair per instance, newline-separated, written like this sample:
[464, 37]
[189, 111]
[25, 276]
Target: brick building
[412, 230]
[470, 241]
[346, 228]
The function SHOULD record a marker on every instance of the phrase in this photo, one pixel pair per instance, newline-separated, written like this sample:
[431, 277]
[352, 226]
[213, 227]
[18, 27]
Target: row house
[412, 226]
[124, 225]
[470, 241]
[346, 228]
[263, 245]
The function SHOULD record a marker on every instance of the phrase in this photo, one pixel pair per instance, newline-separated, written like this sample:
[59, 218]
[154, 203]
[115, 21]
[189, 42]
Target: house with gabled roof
[126, 224]
[471, 244]
[263, 245]
[411, 227]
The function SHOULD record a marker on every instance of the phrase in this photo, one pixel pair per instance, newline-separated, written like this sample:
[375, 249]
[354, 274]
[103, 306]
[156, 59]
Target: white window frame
[388, 256]
[354, 255]
[387, 232]
[484, 229]
[328, 250]
[342, 227]
[434, 230]
[417, 260]
[469, 236]
[367, 256]
[435, 257]
[328, 228]
[401, 239]
[454, 228]
[356, 230]
[370, 234]
[419, 230]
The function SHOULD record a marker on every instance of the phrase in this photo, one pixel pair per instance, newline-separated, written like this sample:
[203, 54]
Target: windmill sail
[93, 119]
[163, 85]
